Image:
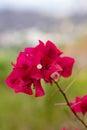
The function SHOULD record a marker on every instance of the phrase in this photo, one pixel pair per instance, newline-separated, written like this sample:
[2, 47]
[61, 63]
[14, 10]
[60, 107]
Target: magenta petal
[19, 83]
[16, 75]
[25, 89]
[51, 50]
[47, 75]
[84, 104]
[41, 43]
[80, 105]
[22, 86]
[38, 89]
[67, 64]
[54, 68]
[36, 74]
[11, 79]
[21, 59]
[29, 51]
[76, 105]
[26, 57]
[84, 98]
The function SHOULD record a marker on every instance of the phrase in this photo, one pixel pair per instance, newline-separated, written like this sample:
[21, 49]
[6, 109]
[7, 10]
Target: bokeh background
[22, 24]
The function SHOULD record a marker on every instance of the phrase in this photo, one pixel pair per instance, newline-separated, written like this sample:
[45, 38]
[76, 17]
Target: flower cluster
[41, 62]
[79, 105]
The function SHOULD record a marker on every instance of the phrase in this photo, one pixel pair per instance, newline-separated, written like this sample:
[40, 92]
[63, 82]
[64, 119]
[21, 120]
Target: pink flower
[80, 105]
[41, 62]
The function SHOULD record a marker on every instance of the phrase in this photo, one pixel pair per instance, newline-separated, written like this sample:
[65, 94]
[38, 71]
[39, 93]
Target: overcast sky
[53, 6]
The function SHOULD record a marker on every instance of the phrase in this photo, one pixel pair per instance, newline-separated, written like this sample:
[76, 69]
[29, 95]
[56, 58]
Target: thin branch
[68, 104]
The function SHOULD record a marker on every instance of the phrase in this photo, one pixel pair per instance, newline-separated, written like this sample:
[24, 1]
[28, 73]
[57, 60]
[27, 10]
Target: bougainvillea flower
[80, 105]
[41, 62]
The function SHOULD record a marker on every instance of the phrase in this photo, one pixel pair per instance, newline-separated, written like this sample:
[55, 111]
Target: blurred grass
[24, 112]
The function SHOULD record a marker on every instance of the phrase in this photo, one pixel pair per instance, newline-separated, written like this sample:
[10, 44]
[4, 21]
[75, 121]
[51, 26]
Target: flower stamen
[39, 66]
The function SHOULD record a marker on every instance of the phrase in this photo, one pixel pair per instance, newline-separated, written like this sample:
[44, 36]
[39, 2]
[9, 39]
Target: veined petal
[47, 73]
[38, 89]
[67, 64]
[26, 89]
[51, 50]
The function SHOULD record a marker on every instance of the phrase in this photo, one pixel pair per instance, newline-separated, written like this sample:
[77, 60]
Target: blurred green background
[22, 24]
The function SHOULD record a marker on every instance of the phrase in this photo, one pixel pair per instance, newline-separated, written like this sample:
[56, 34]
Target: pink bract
[36, 63]
[67, 64]
[80, 105]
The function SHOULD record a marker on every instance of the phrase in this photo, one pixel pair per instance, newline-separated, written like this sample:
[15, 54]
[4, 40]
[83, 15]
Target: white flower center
[39, 66]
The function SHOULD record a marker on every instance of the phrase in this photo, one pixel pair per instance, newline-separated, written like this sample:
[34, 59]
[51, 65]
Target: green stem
[67, 101]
